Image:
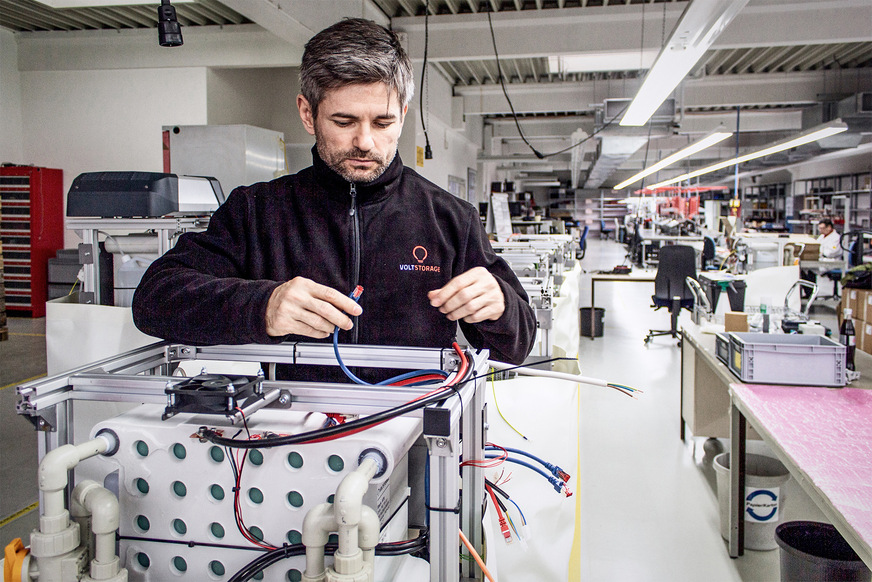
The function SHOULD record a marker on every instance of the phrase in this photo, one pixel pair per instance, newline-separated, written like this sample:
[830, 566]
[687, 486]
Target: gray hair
[355, 51]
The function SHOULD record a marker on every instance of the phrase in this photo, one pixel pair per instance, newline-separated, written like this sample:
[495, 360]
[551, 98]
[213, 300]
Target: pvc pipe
[317, 526]
[52, 477]
[368, 533]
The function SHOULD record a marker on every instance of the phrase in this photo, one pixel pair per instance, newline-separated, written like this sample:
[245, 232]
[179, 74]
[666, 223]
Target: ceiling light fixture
[717, 135]
[589, 62]
[814, 134]
[700, 24]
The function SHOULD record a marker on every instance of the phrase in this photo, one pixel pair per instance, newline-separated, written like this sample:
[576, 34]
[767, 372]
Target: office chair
[835, 275]
[604, 231]
[708, 254]
[677, 262]
[582, 243]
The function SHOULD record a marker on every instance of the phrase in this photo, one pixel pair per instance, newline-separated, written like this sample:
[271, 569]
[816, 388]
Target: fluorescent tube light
[711, 139]
[602, 61]
[700, 24]
[814, 134]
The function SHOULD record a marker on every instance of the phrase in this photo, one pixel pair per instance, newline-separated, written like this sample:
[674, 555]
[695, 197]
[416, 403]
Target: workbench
[824, 438]
[634, 276]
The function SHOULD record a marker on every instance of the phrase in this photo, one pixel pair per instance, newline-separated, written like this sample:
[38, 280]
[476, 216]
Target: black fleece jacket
[399, 237]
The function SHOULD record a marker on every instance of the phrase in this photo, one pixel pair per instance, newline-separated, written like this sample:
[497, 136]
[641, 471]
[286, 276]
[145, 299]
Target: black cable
[428, 153]
[214, 436]
[291, 550]
[537, 153]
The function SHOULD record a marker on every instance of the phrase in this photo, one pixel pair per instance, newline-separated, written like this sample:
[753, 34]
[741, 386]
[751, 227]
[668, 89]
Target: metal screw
[284, 399]
[441, 443]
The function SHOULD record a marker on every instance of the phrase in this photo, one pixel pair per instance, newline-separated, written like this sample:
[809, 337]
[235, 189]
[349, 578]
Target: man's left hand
[473, 296]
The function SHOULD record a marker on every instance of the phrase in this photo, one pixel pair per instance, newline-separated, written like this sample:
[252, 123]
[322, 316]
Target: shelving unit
[32, 231]
[765, 205]
[844, 198]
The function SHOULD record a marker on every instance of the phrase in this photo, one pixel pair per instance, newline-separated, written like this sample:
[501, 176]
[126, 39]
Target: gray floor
[649, 502]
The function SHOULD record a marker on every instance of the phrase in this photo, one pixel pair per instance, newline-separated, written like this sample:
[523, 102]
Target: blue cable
[356, 296]
[555, 470]
[555, 482]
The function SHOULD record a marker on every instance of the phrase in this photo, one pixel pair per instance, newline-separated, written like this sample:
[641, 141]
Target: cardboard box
[736, 321]
[866, 311]
[811, 251]
[864, 344]
[850, 299]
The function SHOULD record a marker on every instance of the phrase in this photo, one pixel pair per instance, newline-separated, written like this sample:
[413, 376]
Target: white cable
[545, 373]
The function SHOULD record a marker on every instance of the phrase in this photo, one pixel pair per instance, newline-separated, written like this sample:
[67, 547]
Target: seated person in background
[829, 240]
[279, 259]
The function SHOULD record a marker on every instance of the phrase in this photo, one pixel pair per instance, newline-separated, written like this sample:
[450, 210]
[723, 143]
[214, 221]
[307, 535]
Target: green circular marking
[256, 532]
[180, 526]
[295, 499]
[256, 495]
[217, 492]
[330, 498]
[142, 523]
[179, 489]
[216, 567]
[217, 454]
[180, 564]
[294, 576]
[295, 537]
[141, 448]
[295, 460]
[335, 463]
[141, 485]
[256, 457]
[179, 451]
[333, 539]
[217, 530]
[258, 576]
[142, 560]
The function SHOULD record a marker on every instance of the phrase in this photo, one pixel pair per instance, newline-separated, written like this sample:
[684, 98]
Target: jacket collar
[378, 188]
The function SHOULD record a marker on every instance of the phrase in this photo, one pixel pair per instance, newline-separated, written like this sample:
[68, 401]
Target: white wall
[453, 151]
[10, 100]
[109, 120]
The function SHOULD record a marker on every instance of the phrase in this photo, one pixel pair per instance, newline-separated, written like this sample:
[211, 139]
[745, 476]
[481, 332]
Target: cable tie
[444, 509]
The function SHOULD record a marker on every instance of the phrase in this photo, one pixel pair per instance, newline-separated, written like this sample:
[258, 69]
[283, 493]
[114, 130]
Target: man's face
[356, 129]
[824, 229]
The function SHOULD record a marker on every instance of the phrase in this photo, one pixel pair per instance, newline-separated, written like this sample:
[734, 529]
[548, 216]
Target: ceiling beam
[537, 33]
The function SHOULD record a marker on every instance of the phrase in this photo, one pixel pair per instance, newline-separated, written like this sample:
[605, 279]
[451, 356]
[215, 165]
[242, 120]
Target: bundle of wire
[502, 511]
[443, 392]
[628, 390]
[415, 378]
[558, 477]
[417, 545]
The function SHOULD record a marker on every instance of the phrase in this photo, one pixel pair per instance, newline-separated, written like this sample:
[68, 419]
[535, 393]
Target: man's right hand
[303, 307]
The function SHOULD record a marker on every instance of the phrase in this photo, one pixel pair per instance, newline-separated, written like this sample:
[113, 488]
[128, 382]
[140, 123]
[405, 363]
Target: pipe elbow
[348, 500]
[317, 525]
[101, 504]
[368, 529]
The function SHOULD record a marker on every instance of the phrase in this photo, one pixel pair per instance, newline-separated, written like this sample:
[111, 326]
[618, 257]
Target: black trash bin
[816, 552]
[597, 321]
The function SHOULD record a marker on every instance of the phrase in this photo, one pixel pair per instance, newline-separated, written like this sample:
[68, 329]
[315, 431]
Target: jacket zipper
[355, 221]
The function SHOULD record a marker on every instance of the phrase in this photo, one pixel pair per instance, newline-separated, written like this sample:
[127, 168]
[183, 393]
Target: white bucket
[764, 498]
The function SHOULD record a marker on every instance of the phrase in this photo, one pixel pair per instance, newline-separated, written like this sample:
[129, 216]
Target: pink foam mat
[827, 434]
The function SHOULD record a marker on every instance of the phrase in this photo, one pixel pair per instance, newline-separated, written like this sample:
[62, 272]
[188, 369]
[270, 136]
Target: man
[829, 240]
[280, 258]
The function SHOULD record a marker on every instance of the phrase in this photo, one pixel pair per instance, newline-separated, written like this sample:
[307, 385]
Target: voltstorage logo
[420, 254]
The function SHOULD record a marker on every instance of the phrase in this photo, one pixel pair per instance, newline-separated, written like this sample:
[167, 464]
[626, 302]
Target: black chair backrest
[675, 264]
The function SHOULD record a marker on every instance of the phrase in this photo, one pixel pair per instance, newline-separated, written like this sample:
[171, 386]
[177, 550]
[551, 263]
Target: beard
[338, 161]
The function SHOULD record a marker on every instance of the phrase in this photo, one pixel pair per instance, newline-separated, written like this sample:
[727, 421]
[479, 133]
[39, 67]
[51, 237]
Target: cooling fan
[212, 394]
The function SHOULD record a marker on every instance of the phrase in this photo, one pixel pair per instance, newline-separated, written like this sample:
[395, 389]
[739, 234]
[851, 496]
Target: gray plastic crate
[794, 359]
